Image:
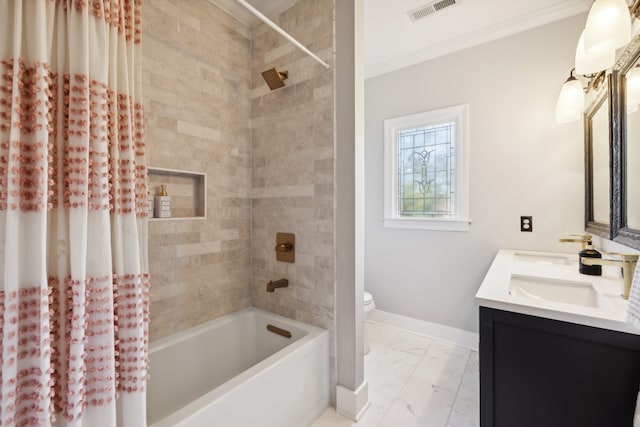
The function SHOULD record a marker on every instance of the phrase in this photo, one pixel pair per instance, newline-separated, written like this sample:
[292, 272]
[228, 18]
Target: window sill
[448, 224]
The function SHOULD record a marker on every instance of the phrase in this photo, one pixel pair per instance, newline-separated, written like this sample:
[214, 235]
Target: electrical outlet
[526, 223]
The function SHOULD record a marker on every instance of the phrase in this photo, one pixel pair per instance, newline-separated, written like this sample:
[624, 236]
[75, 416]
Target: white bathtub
[233, 372]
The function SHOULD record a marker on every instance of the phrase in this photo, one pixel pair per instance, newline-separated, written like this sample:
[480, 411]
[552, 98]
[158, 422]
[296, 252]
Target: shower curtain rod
[282, 32]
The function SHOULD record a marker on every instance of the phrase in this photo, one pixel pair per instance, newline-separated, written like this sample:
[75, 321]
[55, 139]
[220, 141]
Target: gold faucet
[584, 239]
[282, 283]
[627, 263]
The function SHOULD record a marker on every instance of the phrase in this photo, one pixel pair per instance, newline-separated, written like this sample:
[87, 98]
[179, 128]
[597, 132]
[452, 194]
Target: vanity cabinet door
[539, 372]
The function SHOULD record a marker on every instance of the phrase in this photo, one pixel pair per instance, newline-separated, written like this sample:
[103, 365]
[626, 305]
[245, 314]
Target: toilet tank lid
[367, 297]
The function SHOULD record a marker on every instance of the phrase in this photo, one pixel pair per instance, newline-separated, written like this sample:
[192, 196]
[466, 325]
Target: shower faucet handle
[284, 247]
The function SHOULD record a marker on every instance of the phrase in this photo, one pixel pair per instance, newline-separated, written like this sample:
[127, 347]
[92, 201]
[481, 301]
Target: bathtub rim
[186, 334]
[199, 404]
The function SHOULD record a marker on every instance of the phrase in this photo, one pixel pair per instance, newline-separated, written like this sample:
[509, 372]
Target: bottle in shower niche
[150, 205]
[162, 205]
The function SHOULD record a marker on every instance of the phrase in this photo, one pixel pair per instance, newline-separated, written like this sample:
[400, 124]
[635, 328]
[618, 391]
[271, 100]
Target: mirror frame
[619, 231]
[590, 225]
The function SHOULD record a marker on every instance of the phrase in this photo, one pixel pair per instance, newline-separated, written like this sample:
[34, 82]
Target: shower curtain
[73, 192]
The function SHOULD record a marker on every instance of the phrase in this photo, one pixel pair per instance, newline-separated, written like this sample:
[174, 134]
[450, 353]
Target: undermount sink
[548, 285]
[558, 290]
[543, 258]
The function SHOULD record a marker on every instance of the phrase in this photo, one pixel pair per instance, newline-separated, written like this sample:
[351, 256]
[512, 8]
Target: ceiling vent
[429, 9]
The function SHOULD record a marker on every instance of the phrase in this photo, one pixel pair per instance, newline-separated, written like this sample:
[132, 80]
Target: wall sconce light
[570, 104]
[587, 64]
[608, 26]
[632, 92]
[571, 101]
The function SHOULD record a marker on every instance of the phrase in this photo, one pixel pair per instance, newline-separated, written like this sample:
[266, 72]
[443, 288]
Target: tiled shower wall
[269, 159]
[293, 165]
[196, 74]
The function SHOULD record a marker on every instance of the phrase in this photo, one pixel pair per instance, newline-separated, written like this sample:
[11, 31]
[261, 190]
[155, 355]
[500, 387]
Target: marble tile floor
[415, 381]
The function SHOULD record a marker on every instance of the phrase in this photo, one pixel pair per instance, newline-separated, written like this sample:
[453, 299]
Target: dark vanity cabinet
[538, 372]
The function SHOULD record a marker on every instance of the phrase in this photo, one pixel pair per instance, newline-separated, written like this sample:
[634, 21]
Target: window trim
[460, 115]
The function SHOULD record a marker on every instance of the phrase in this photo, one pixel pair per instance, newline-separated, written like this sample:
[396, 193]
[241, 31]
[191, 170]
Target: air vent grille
[429, 9]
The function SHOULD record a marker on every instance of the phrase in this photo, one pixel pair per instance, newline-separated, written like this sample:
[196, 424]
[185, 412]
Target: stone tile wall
[196, 74]
[269, 157]
[293, 165]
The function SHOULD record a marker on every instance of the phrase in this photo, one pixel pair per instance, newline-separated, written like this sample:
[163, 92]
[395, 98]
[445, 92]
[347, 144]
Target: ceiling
[392, 41]
[268, 8]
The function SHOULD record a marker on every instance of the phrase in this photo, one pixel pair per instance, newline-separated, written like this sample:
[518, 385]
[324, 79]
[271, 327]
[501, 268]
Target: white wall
[521, 163]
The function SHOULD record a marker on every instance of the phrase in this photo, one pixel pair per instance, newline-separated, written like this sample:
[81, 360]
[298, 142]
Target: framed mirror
[626, 147]
[597, 145]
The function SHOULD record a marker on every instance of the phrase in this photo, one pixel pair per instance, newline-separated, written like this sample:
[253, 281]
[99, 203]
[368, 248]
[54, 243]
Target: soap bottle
[162, 205]
[590, 252]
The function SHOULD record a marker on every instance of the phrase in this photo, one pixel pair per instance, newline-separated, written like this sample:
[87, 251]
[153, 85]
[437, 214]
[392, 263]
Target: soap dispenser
[590, 252]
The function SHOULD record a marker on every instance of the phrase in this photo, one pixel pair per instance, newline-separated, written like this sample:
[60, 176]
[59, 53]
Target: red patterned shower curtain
[74, 292]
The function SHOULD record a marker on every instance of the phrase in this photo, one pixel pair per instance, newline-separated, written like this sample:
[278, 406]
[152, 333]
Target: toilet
[369, 306]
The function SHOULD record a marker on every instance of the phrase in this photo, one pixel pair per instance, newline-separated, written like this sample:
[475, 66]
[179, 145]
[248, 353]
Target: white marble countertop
[495, 289]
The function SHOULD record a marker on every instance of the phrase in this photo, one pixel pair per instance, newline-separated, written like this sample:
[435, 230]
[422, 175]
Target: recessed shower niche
[186, 188]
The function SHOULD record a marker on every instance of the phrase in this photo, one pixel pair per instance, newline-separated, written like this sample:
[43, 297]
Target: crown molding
[494, 32]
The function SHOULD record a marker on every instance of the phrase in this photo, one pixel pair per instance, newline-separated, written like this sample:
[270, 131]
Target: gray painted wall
[521, 163]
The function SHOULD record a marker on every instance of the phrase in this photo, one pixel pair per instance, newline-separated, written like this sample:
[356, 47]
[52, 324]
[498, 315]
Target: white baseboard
[448, 334]
[352, 404]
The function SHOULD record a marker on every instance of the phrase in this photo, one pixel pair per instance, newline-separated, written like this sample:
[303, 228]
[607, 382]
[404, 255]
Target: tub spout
[282, 283]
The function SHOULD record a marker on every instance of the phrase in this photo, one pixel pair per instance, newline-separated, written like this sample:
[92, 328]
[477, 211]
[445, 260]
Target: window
[426, 170]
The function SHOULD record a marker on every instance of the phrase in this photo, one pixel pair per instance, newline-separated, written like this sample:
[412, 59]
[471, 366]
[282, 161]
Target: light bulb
[594, 63]
[608, 26]
[570, 104]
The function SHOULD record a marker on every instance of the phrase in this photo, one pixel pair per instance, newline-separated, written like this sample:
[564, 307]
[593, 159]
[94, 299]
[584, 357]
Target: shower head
[274, 78]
